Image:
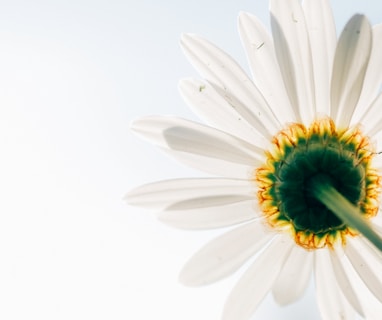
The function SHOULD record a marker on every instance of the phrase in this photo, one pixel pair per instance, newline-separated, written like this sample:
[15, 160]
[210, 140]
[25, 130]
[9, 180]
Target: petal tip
[186, 37]
[133, 124]
[185, 280]
[131, 196]
[244, 15]
[137, 124]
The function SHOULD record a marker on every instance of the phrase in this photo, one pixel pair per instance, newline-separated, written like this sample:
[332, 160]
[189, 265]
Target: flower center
[300, 155]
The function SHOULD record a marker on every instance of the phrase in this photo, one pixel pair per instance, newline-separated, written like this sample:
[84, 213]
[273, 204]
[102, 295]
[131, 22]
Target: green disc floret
[314, 177]
[294, 172]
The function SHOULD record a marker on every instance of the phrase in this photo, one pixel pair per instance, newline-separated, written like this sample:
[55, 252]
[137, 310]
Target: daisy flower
[295, 155]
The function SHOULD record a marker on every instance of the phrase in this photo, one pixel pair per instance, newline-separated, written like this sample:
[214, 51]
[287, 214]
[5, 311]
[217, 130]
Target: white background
[73, 74]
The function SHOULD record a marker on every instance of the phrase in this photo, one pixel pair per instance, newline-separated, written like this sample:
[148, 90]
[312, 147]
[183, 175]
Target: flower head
[301, 156]
[295, 152]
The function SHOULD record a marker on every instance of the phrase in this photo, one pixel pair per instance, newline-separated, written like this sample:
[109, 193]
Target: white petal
[331, 302]
[343, 280]
[190, 140]
[378, 229]
[235, 86]
[257, 280]
[213, 109]
[225, 254]
[350, 64]
[261, 55]
[183, 194]
[372, 250]
[377, 220]
[372, 308]
[294, 277]
[377, 164]
[373, 76]
[211, 217]
[213, 166]
[372, 118]
[294, 55]
[365, 266]
[323, 40]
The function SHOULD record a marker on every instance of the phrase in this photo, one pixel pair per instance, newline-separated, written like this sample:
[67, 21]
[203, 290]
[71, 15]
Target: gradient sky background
[73, 75]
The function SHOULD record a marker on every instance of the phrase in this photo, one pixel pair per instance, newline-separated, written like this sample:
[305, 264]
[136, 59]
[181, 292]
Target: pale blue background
[73, 74]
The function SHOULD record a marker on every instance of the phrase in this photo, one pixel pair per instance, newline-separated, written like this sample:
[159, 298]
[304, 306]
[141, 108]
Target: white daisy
[294, 149]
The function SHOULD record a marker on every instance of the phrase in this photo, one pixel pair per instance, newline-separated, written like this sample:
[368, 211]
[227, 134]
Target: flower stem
[322, 189]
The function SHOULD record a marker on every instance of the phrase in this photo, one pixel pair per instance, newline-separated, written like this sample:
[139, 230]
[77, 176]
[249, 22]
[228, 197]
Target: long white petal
[372, 118]
[323, 40]
[371, 307]
[377, 220]
[350, 64]
[365, 266]
[266, 73]
[211, 217]
[222, 71]
[374, 251]
[294, 55]
[331, 303]
[378, 229]
[216, 111]
[373, 76]
[183, 194]
[225, 254]
[196, 141]
[343, 280]
[257, 280]
[294, 277]
[213, 166]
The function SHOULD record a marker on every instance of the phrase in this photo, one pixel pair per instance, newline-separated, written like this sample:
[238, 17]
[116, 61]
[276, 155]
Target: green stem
[322, 190]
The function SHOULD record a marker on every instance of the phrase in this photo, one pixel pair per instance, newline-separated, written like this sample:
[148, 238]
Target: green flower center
[293, 176]
[302, 155]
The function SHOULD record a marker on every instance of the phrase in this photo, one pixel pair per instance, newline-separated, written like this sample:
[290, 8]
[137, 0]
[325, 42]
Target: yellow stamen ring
[299, 153]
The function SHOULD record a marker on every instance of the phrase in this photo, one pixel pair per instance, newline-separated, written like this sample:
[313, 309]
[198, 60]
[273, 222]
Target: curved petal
[189, 140]
[213, 166]
[372, 250]
[323, 40]
[372, 118]
[294, 55]
[343, 281]
[331, 303]
[377, 165]
[349, 68]
[373, 76]
[184, 194]
[216, 111]
[211, 217]
[257, 280]
[371, 307]
[261, 55]
[294, 276]
[378, 229]
[235, 86]
[224, 255]
[377, 220]
[367, 268]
